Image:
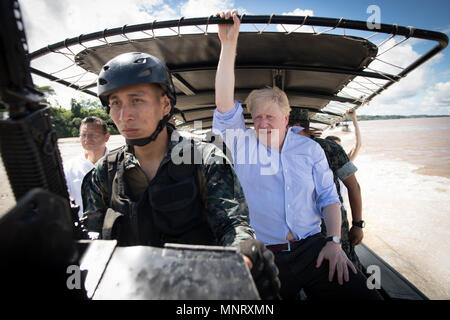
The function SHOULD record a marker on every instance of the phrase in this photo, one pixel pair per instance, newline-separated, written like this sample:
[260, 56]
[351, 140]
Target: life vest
[170, 210]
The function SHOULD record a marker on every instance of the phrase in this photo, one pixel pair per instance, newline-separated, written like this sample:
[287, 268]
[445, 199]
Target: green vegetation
[67, 122]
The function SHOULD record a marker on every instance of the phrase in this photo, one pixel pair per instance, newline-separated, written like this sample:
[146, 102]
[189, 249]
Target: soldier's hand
[351, 114]
[355, 235]
[262, 267]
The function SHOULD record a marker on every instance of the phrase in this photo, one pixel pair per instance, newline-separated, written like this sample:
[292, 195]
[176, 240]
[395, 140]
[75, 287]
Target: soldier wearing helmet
[141, 194]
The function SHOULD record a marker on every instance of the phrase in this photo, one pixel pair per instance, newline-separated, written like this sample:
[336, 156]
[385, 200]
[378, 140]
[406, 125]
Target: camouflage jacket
[223, 196]
[342, 168]
[338, 162]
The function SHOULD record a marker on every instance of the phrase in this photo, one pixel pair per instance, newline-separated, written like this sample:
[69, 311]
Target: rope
[303, 23]
[327, 30]
[270, 19]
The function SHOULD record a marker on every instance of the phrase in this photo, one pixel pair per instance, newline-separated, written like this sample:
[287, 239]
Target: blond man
[287, 202]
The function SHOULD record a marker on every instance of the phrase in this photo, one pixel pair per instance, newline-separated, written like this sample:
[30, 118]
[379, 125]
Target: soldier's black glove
[264, 270]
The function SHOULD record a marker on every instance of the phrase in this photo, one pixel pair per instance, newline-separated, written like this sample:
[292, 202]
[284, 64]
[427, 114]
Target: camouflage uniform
[227, 210]
[342, 168]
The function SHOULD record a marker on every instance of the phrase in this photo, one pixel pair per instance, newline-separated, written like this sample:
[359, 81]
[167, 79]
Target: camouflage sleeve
[225, 201]
[94, 191]
[346, 170]
[344, 167]
[338, 160]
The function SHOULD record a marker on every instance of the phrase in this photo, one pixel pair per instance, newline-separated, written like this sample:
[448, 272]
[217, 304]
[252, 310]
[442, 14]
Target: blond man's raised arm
[225, 78]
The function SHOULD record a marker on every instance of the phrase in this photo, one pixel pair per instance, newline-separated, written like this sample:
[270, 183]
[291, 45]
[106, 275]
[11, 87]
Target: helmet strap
[144, 141]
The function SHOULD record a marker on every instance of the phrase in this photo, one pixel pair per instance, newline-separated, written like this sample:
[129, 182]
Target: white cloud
[204, 8]
[438, 96]
[50, 21]
[299, 12]
[433, 101]
[410, 95]
[295, 28]
[408, 86]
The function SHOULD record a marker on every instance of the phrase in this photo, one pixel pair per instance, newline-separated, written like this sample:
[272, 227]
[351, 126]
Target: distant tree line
[387, 117]
[67, 122]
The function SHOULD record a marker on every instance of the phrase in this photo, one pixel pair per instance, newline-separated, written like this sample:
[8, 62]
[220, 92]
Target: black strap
[143, 141]
[111, 164]
[108, 224]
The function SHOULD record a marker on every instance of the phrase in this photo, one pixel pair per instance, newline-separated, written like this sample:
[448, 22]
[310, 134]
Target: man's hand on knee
[338, 261]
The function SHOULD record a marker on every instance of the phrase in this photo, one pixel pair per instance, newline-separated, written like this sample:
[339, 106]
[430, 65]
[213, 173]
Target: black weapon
[37, 235]
[28, 133]
[28, 141]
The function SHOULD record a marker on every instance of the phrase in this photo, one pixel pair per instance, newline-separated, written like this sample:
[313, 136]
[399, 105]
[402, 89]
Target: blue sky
[431, 15]
[425, 91]
[425, 14]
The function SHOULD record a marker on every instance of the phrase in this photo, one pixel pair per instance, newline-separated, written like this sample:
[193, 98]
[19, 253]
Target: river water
[404, 173]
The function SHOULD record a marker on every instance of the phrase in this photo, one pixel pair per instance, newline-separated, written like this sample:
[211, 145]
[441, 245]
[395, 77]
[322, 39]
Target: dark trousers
[298, 270]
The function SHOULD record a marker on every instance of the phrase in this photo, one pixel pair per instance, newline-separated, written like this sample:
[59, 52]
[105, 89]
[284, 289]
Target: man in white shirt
[93, 135]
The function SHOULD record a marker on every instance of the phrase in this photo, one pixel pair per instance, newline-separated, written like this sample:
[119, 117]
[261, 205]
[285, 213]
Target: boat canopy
[320, 66]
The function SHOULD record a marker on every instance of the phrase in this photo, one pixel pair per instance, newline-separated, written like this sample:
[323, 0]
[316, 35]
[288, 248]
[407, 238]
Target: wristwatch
[360, 224]
[335, 239]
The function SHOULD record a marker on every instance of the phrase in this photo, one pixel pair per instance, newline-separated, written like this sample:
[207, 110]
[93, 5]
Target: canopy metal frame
[365, 85]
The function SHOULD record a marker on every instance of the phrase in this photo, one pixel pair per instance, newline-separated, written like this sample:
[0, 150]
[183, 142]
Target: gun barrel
[30, 153]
